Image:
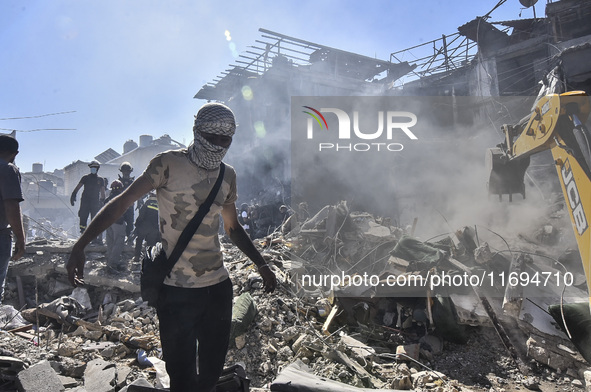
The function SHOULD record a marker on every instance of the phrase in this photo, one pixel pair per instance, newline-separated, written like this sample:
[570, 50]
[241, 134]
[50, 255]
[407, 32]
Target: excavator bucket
[506, 176]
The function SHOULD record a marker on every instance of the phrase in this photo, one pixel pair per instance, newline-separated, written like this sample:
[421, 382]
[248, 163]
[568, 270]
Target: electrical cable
[563, 288]
[38, 116]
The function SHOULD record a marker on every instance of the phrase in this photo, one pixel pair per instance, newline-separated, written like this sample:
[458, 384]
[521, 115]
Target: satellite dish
[528, 3]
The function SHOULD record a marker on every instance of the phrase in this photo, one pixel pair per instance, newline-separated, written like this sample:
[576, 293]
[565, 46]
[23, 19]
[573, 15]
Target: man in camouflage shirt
[195, 305]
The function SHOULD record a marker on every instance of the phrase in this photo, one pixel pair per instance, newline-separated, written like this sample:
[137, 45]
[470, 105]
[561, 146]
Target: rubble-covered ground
[104, 337]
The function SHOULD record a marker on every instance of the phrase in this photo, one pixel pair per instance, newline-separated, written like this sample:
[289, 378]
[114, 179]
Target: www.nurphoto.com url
[431, 281]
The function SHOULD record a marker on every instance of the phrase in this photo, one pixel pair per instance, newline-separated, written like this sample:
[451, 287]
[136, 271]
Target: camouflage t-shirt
[181, 187]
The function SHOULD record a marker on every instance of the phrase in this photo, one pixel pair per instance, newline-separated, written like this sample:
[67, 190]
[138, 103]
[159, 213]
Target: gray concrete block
[100, 376]
[140, 382]
[39, 377]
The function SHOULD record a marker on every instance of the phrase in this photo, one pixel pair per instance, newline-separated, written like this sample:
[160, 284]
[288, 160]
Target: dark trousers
[128, 216]
[188, 316]
[87, 207]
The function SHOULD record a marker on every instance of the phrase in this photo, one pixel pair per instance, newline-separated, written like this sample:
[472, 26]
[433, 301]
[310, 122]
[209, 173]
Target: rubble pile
[103, 337]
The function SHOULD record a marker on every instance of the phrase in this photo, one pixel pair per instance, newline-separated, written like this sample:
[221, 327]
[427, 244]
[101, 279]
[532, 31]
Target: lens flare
[259, 129]
[228, 36]
[233, 49]
[247, 93]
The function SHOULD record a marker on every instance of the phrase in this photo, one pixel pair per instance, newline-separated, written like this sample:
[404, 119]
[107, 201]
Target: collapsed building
[322, 333]
[480, 60]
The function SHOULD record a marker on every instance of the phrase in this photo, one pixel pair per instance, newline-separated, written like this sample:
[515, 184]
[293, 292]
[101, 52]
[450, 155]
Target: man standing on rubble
[93, 195]
[146, 226]
[10, 212]
[195, 303]
[126, 179]
[116, 235]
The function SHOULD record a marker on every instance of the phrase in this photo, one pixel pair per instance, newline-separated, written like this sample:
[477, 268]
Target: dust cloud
[439, 179]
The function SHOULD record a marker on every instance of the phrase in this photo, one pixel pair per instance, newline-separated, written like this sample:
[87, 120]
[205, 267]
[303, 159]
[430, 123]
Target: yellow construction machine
[556, 123]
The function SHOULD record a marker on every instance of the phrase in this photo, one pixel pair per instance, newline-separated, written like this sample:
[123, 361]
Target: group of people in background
[122, 231]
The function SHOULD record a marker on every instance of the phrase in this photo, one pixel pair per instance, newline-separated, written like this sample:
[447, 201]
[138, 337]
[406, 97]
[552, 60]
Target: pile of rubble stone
[103, 337]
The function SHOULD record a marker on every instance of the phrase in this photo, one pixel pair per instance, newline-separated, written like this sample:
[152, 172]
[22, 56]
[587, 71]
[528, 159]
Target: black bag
[154, 271]
[156, 266]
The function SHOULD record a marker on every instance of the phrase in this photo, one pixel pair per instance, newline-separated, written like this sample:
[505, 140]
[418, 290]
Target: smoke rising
[440, 178]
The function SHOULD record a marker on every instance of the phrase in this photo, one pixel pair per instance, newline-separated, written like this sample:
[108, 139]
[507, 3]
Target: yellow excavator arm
[555, 124]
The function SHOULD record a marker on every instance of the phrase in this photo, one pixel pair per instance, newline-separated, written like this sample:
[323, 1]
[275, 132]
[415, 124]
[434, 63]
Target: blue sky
[118, 69]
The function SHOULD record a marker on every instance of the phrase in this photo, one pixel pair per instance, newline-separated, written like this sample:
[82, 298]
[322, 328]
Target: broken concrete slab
[298, 378]
[68, 382]
[100, 376]
[122, 373]
[39, 377]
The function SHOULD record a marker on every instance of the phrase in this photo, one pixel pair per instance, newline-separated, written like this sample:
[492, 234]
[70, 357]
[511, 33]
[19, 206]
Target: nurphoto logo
[389, 124]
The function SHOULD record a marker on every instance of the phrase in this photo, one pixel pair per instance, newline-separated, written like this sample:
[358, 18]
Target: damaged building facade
[485, 58]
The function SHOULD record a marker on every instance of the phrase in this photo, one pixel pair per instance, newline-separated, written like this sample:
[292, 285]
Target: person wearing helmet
[126, 179]
[195, 301]
[115, 235]
[146, 226]
[93, 195]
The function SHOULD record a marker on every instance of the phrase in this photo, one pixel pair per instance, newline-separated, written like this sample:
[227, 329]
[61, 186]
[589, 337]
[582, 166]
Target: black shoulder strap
[192, 226]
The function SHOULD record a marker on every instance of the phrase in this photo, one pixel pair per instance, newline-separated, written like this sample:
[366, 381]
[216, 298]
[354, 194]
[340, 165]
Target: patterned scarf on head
[212, 118]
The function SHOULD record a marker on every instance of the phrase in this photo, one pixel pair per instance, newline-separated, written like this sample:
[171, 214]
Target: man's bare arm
[14, 218]
[244, 243]
[238, 235]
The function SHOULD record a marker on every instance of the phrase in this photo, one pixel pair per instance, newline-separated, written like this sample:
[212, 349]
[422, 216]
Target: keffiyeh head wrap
[212, 118]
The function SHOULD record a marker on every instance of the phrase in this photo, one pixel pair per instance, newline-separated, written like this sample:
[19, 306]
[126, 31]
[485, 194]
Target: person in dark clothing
[11, 221]
[146, 226]
[125, 177]
[116, 234]
[284, 213]
[93, 195]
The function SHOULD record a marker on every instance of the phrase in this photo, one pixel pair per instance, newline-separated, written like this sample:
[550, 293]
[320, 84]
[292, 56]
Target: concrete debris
[307, 336]
[39, 377]
[298, 377]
